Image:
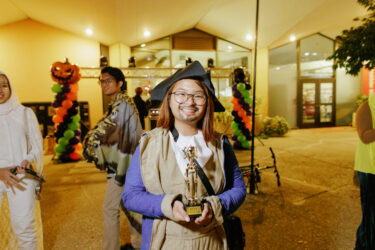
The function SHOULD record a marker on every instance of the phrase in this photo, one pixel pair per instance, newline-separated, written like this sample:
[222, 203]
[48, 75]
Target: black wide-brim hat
[193, 71]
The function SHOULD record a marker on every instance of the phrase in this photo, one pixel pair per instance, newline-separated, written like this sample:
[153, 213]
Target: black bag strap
[204, 178]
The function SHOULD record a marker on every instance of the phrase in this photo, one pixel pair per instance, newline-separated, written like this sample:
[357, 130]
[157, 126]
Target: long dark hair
[166, 118]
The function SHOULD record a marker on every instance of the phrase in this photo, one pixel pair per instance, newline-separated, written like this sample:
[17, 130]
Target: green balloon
[234, 125]
[76, 118]
[56, 88]
[59, 148]
[245, 144]
[245, 94]
[73, 126]
[237, 132]
[248, 100]
[241, 138]
[241, 86]
[63, 141]
[69, 134]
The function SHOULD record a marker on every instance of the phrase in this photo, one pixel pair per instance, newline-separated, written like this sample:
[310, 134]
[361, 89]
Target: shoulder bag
[232, 224]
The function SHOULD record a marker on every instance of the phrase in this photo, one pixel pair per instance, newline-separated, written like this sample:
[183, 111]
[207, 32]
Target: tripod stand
[255, 174]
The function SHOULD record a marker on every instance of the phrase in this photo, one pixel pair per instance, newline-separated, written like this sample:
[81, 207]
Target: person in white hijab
[20, 147]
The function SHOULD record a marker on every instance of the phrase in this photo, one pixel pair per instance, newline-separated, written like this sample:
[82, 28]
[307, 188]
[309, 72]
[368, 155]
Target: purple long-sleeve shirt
[138, 199]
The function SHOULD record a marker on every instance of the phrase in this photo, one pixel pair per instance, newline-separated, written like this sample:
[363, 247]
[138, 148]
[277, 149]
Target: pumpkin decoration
[241, 113]
[64, 72]
[66, 119]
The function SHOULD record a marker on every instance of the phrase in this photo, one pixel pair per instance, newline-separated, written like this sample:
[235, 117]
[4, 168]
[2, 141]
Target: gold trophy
[194, 206]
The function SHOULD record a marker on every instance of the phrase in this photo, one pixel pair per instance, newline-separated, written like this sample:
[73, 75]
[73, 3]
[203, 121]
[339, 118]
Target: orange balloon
[75, 155]
[71, 96]
[57, 119]
[73, 88]
[234, 101]
[241, 113]
[78, 147]
[60, 111]
[67, 104]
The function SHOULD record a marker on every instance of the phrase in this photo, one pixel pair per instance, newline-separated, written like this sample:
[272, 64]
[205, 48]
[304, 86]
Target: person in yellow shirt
[365, 167]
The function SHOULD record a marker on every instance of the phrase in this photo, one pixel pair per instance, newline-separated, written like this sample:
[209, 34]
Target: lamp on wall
[103, 61]
[188, 61]
[132, 62]
[210, 63]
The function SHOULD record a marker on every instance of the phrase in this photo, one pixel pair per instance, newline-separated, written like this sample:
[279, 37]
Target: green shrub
[275, 126]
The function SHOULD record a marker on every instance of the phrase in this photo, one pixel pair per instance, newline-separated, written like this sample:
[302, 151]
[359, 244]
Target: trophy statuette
[193, 206]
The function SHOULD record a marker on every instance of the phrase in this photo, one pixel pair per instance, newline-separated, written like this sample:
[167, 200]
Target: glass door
[316, 103]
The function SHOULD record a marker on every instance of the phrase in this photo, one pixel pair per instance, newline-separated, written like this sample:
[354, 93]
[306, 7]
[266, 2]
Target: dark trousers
[366, 230]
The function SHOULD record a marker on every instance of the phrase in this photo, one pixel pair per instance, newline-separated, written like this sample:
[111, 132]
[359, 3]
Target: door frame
[317, 122]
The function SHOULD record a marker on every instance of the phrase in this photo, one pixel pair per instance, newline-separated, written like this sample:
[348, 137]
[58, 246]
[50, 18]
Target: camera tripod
[254, 176]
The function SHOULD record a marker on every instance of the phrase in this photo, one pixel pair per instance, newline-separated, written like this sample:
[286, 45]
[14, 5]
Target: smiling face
[192, 110]
[4, 89]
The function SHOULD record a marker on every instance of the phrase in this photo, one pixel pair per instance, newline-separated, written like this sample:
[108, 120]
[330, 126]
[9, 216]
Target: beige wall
[27, 50]
[262, 81]
[119, 55]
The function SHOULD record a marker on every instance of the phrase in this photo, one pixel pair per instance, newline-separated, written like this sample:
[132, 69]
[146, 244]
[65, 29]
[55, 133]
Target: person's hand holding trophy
[183, 213]
[193, 206]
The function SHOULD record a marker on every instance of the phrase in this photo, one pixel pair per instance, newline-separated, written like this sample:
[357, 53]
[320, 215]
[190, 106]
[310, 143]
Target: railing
[152, 73]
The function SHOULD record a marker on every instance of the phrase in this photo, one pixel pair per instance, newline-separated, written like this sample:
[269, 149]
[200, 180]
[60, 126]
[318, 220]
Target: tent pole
[252, 172]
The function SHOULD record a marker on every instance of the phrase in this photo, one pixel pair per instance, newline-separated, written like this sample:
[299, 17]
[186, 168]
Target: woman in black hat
[156, 183]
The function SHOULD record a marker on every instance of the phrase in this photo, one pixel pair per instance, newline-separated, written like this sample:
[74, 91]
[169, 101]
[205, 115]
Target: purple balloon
[237, 94]
[234, 137]
[64, 157]
[248, 112]
[69, 148]
[74, 141]
[56, 104]
[77, 132]
[66, 88]
[238, 144]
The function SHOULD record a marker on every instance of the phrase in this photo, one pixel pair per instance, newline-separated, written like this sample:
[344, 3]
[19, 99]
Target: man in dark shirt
[141, 106]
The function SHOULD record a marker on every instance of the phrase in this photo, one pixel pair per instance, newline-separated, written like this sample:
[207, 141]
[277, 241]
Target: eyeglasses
[105, 81]
[182, 97]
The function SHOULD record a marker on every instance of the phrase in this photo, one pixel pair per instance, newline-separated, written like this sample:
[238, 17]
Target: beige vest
[161, 175]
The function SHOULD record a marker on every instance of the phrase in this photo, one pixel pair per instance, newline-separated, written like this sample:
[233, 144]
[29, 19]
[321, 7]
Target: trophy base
[193, 210]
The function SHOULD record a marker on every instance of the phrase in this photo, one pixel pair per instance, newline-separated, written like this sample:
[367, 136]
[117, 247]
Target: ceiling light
[149, 58]
[229, 47]
[249, 37]
[146, 33]
[89, 32]
[277, 68]
[292, 38]
[143, 45]
[307, 54]
[314, 53]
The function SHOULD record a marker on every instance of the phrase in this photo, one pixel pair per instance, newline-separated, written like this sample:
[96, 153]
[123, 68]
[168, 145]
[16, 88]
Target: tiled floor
[317, 205]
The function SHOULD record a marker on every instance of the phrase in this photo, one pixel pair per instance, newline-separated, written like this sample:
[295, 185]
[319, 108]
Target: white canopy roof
[125, 21]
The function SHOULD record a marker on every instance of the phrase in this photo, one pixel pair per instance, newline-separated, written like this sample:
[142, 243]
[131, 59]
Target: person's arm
[235, 189]
[364, 125]
[36, 143]
[136, 198]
